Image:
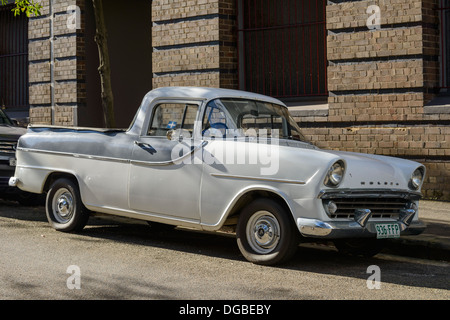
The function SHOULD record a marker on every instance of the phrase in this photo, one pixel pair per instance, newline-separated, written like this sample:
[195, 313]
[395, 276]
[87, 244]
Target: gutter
[52, 61]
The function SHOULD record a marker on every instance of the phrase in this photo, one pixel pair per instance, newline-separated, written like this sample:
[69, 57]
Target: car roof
[193, 93]
[208, 94]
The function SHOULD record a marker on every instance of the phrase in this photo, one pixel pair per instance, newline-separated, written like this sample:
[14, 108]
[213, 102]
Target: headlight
[417, 178]
[335, 174]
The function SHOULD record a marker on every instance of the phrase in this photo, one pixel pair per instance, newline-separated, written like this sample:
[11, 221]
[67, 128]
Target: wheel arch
[248, 195]
[52, 177]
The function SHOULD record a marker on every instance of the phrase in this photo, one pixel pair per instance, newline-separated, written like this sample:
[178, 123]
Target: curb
[424, 247]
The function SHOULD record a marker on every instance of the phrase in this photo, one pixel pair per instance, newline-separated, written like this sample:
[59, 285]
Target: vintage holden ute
[208, 158]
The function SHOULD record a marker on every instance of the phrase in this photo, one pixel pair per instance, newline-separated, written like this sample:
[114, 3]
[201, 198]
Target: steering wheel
[218, 126]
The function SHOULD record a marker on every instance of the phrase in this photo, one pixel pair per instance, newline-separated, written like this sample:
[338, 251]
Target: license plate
[12, 162]
[387, 230]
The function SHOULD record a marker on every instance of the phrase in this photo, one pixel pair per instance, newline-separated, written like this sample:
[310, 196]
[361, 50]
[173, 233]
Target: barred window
[13, 59]
[282, 47]
[444, 13]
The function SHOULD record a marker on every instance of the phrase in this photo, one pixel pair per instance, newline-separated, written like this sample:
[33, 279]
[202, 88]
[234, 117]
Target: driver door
[164, 176]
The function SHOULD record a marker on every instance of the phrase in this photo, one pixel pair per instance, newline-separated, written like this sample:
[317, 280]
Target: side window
[172, 116]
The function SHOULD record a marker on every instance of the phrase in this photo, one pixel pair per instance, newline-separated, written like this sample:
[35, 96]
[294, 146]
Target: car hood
[374, 171]
[10, 133]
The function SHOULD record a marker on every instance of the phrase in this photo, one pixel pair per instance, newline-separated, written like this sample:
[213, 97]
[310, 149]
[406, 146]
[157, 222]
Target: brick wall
[380, 82]
[379, 79]
[55, 65]
[194, 43]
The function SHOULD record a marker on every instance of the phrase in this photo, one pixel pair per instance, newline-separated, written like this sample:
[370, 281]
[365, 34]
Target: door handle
[145, 146]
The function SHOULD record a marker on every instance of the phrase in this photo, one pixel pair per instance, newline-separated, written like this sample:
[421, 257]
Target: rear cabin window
[172, 116]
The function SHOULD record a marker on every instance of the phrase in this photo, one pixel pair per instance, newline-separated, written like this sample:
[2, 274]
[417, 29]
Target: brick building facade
[55, 66]
[64, 84]
[384, 86]
[380, 80]
[373, 77]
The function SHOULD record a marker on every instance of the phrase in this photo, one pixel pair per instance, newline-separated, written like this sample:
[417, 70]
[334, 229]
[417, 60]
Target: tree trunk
[104, 69]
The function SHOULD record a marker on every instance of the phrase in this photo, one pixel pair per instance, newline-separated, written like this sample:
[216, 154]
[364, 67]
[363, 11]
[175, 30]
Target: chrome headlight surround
[335, 174]
[417, 178]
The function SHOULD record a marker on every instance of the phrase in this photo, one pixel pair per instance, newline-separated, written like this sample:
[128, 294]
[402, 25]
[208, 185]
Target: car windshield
[242, 117]
[4, 120]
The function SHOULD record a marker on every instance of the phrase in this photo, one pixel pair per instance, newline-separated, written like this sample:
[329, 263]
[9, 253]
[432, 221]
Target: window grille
[444, 15]
[13, 59]
[282, 47]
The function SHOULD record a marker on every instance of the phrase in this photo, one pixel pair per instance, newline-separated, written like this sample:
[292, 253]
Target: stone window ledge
[308, 109]
[440, 104]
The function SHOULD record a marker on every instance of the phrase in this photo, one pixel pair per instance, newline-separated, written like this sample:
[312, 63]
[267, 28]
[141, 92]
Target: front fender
[216, 224]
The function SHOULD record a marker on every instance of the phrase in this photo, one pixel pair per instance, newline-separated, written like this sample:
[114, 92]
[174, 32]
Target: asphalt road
[125, 260]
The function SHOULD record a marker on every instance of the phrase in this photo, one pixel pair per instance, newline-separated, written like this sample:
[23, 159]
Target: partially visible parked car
[10, 133]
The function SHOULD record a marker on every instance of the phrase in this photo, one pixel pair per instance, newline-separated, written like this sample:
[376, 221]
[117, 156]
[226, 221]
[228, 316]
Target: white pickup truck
[207, 158]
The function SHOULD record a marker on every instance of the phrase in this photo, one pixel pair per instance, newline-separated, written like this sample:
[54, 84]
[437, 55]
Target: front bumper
[356, 213]
[351, 229]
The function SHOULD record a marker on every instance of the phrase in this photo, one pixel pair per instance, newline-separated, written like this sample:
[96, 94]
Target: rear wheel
[64, 209]
[265, 233]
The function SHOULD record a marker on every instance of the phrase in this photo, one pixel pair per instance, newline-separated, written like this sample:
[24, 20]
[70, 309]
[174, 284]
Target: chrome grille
[380, 207]
[383, 203]
[8, 148]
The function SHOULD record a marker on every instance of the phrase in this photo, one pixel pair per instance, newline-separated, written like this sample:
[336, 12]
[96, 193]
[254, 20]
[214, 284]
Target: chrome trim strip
[369, 193]
[169, 162]
[219, 175]
[156, 163]
[84, 156]
[75, 155]
[141, 215]
[111, 159]
[101, 130]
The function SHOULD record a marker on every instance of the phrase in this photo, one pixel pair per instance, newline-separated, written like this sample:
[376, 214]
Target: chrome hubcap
[63, 205]
[263, 232]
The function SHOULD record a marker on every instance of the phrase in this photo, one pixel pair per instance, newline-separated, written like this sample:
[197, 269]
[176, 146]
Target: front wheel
[266, 234]
[64, 209]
